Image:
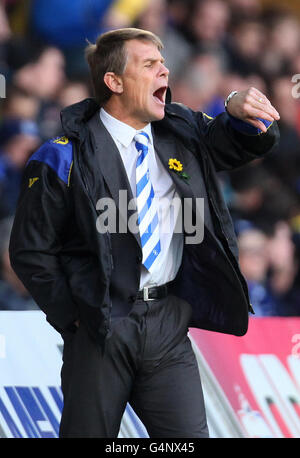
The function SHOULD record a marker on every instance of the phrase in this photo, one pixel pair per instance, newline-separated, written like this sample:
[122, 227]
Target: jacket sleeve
[36, 239]
[232, 142]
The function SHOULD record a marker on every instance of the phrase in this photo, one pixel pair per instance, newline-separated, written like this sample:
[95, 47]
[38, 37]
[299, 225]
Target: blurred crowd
[211, 47]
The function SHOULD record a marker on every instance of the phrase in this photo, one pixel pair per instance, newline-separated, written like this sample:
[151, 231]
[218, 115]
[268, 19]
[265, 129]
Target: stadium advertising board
[259, 374]
[253, 383]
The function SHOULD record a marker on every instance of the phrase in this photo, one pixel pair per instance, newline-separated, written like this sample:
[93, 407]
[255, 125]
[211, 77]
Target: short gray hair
[108, 55]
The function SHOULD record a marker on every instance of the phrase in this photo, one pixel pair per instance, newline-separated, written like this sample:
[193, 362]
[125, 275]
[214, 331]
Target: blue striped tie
[147, 214]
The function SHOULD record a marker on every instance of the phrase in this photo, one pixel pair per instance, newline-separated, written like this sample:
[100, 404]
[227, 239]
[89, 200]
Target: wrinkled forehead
[141, 50]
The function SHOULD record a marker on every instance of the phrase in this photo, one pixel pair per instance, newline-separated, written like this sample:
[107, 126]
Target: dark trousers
[148, 361]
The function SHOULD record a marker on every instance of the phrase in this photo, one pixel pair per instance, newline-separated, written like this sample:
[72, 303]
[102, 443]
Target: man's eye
[148, 65]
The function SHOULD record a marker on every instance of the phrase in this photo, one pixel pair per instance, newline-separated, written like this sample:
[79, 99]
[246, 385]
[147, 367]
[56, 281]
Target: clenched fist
[250, 105]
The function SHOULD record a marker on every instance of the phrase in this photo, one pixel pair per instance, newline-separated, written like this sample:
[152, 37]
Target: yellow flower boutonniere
[177, 167]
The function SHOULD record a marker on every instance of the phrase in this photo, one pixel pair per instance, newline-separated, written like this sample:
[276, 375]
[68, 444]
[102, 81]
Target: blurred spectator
[5, 35]
[20, 104]
[177, 50]
[5, 31]
[13, 295]
[285, 161]
[178, 12]
[73, 92]
[282, 97]
[199, 83]
[207, 22]
[246, 8]
[43, 78]
[284, 267]
[282, 44]
[18, 140]
[247, 39]
[254, 263]
[260, 197]
[281, 253]
[285, 36]
[270, 266]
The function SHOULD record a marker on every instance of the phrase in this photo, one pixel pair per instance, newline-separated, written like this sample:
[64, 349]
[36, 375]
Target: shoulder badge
[32, 181]
[61, 140]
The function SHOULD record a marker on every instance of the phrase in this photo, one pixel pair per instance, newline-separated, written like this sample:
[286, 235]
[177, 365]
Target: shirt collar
[120, 131]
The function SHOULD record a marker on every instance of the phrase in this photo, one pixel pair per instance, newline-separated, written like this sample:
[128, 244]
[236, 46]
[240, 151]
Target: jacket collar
[74, 118]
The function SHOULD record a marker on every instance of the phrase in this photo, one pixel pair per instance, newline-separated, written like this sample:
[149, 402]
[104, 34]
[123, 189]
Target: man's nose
[164, 71]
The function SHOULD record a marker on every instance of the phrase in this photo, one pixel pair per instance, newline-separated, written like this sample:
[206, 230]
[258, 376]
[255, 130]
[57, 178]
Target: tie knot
[142, 138]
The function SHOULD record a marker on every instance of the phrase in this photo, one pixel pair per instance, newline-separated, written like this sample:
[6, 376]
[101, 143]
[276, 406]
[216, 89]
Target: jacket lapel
[109, 162]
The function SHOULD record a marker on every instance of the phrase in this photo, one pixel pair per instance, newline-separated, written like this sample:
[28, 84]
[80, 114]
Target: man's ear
[113, 82]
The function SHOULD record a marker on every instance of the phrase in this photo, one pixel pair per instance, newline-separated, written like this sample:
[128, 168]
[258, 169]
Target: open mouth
[159, 95]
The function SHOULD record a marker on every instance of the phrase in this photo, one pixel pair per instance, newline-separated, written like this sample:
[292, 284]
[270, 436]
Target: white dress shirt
[166, 265]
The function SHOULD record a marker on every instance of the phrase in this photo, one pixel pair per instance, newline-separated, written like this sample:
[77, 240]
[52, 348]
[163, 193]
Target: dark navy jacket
[73, 271]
